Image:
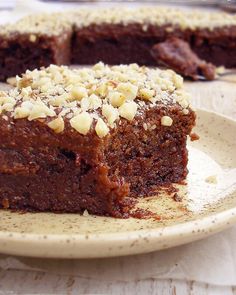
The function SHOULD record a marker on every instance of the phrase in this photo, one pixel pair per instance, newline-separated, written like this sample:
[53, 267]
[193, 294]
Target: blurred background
[12, 10]
[225, 4]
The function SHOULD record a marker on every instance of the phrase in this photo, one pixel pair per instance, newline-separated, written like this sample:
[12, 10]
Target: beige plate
[208, 206]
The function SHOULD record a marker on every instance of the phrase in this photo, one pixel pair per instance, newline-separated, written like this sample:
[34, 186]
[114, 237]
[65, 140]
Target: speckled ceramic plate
[208, 205]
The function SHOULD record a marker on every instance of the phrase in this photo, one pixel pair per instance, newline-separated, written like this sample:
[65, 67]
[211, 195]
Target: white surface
[211, 261]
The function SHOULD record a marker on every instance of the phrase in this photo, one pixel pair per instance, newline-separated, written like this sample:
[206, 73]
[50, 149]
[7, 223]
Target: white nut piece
[116, 98]
[128, 110]
[146, 94]
[94, 102]
[40, 110]
[166, 121]
[57, 125]
[129, 90]
[78, 92]
[101, 128]
[110, 113]
[183, 98]
[7, 107]
[26, 91]
[84, 104]
[101, 90]
[178, 81]
[98, 66]
[21, 112]
[11, 81]
[32, 38]
[82, 123]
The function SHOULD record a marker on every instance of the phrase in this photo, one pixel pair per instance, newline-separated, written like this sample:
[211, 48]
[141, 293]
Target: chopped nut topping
[155, 15]
[166, 121]
[32, 38]
[116, 98]
[39, 24]
[103, 94]
[57, 125]
[82, 123]
[101, 128]
[40, 110]
[128, 110]
[110, 113]
[128, 90]
[56, 23]
[21, 112]
[11, 81]
[77, 93]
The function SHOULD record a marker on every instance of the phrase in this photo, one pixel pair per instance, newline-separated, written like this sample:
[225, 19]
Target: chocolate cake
[114, 36]
[92, 139]
[33, 42]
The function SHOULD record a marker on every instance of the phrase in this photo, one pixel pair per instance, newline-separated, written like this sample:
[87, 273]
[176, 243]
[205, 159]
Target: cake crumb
[145, 127]
[85, 213]
[194, 136]
[220, 70]
[211, 179]
[177, 198]
[5, 203]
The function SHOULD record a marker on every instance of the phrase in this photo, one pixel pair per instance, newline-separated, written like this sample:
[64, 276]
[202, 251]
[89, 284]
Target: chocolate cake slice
[126, 35]
[115, 36]
[34, 41]
[92, 138]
